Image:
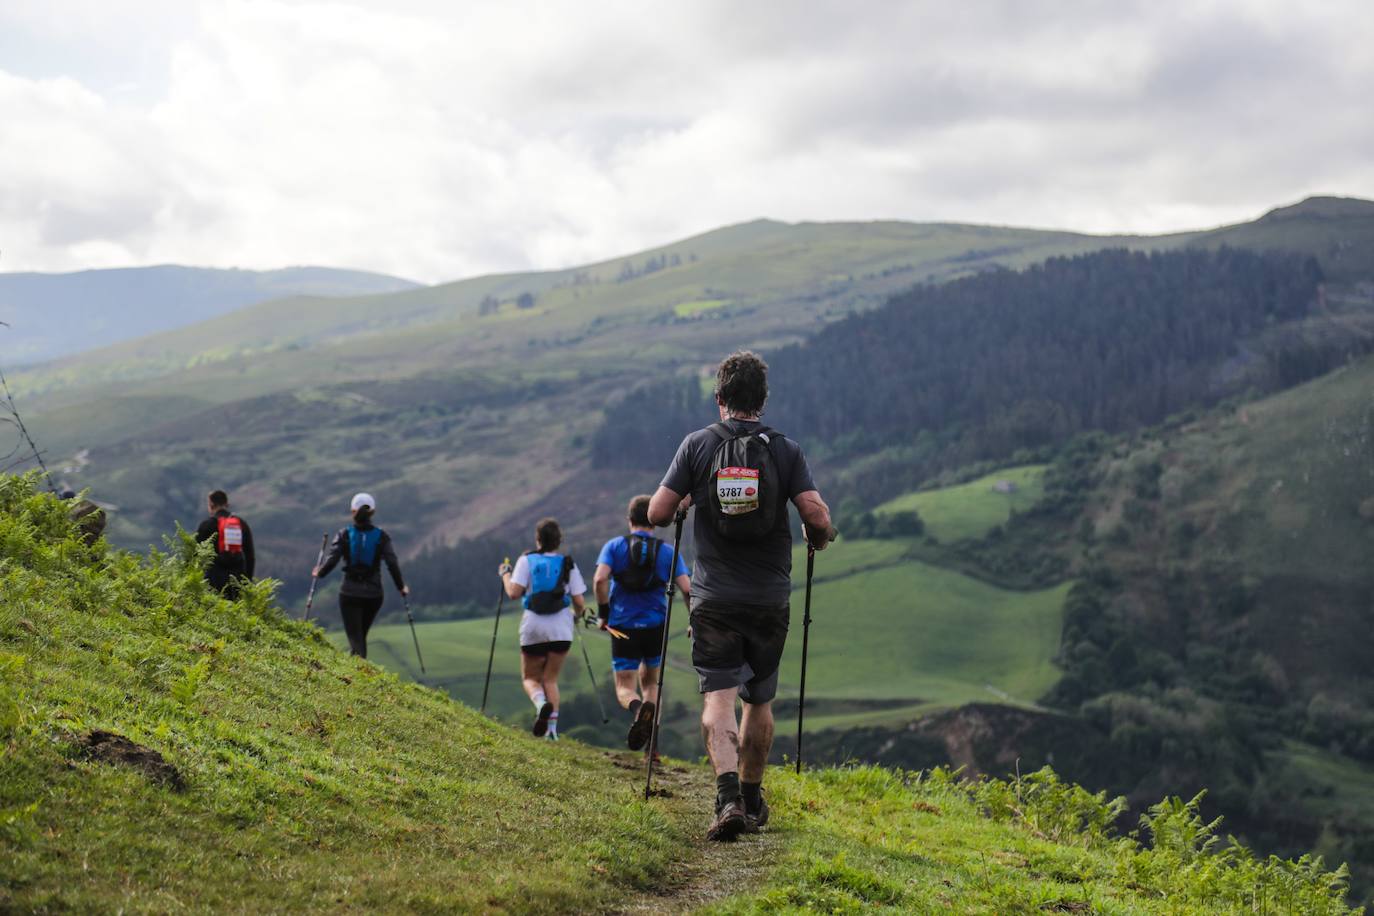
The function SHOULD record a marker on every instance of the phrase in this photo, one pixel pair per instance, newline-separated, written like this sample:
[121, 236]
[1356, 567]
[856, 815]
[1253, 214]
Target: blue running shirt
[636, 610]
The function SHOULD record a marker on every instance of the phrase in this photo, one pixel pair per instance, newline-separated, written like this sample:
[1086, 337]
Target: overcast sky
[437, 140]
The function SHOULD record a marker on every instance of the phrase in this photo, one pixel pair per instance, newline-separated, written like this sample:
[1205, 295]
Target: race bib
[233, 537]
[737, 490]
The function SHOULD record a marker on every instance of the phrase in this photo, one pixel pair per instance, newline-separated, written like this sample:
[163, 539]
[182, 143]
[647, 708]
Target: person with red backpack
[362, 547]
[234, 556]
[740, 476]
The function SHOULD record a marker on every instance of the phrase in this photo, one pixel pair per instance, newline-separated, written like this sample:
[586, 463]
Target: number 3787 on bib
[737, 490]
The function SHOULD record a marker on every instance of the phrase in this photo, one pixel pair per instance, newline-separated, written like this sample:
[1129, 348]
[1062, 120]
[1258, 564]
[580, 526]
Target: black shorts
[643, 644]
[738, 646]
[543, 649]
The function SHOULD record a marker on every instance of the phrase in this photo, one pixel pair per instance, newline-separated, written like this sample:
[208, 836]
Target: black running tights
[358, 614]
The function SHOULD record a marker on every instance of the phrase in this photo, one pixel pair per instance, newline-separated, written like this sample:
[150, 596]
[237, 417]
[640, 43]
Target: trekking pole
[663, 653]
[806, 634]
[490, 658]
[587, 659]
[406, 602]
[314, 579]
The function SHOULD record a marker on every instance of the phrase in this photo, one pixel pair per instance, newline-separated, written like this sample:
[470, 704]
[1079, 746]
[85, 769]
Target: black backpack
[641, 573]
[743, 487]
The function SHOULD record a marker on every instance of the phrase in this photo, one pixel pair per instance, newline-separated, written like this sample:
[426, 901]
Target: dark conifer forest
[1006, 360]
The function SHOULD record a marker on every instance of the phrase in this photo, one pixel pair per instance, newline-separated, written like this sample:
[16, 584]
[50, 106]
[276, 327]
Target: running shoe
[755, 822]
[541, 721]
[729, 823]
[641, 728]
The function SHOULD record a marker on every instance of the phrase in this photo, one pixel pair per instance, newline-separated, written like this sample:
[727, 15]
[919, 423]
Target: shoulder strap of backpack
[565, 574]
[377, 548]
[724, 432]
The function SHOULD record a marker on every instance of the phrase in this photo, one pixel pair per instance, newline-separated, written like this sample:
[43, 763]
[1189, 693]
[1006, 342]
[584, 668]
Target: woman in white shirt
[552, 588]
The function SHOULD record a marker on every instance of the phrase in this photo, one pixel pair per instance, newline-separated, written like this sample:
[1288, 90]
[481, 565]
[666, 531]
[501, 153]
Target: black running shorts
[738, 646]
[642, 644]
[545, 648]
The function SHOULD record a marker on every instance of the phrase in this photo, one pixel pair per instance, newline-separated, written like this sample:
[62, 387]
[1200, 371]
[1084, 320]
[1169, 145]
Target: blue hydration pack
[548, 578]
[363, 556]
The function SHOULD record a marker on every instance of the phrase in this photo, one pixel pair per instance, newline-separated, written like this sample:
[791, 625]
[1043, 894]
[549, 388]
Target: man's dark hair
[219, 499]
[548, 535]
[742, 382]
[639, 512]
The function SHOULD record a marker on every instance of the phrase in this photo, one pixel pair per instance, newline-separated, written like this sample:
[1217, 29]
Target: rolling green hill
[1336, 230]
[418, 395]
[970, 510]
[166, 749]
[1214, 636]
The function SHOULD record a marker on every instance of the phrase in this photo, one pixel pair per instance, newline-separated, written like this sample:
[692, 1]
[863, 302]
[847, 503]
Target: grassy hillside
[1275, 495]
[1212, 638]
[971, 509]
[310, 780]
[1337, 230]
[268, 771]
[871, 839]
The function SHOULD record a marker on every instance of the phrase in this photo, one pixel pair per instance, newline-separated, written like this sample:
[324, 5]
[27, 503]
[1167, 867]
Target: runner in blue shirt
[631, 586]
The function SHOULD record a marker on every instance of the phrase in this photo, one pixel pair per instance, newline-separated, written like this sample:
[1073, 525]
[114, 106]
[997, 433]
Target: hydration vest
[548, 578]
[364, 557]
[230, 543]
[641, 572]
[743, 498]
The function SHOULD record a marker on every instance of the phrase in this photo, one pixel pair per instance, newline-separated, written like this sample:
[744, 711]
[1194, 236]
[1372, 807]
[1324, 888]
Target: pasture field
[970, 510]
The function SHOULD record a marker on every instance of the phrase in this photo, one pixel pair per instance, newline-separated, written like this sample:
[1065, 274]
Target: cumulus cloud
[440, 140]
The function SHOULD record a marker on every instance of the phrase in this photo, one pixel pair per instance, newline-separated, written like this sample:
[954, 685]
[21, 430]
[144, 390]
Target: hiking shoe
[541, 721]
[641, 728]
[729, 823]
[755, 822]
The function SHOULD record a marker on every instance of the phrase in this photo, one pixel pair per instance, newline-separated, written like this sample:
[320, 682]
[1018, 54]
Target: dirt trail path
[713, 871]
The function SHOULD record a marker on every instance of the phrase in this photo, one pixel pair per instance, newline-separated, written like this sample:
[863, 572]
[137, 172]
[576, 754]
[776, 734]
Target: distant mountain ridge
[58, 314]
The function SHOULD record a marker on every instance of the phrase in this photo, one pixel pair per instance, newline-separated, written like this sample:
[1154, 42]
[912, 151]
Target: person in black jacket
[233, 540]
[362, 547]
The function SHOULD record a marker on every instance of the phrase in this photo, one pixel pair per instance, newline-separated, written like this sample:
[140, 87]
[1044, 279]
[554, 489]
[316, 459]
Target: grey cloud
[534, 136]
[64, 223]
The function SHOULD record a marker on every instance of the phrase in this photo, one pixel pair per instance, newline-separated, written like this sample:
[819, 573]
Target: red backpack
[230, 535]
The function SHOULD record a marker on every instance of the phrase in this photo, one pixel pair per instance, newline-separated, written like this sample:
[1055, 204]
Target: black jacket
[226, 565]
[368, 585]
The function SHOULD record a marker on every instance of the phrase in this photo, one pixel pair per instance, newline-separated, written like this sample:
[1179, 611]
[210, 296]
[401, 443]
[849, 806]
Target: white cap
[363, 499]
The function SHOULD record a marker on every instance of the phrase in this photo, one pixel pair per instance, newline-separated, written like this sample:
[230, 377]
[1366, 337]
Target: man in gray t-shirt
[740, 592]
